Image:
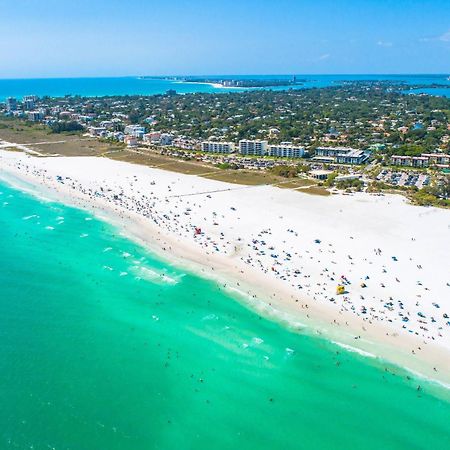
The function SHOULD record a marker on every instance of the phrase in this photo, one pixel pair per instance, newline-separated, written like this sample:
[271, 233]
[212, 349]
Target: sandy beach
[284, 252]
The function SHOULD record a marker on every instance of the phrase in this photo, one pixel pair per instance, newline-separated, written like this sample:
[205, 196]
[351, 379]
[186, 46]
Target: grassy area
[78, 147]
[39, 138]
[244, 177]
[14, 130]
[155, 160]
[316, 190]
[297, 183]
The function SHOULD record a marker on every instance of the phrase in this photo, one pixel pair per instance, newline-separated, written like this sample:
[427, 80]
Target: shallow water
[90, 87]
[105, 346]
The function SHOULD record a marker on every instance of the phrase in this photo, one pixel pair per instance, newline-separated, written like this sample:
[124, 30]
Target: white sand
[286, 251]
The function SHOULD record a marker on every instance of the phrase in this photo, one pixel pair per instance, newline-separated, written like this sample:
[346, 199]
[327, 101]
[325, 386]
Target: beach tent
[340, 289]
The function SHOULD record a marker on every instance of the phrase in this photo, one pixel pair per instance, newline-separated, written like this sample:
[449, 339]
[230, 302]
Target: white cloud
[323, 57]
[445, 37]
[385, 44]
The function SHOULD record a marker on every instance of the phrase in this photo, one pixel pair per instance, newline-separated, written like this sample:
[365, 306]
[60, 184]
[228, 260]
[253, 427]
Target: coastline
[214, 85]
[267, 295]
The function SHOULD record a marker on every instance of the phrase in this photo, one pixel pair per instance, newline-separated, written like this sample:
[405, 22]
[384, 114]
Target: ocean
[90, 87]
[105, 346]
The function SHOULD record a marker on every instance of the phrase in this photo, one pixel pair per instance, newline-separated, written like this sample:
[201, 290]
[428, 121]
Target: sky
[61, 38]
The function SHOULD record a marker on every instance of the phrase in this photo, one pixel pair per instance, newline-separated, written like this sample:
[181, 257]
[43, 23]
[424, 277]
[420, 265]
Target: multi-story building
[35, 116]
[342, 155]
[258, 148]
[286, 151]
[438, 159]
[217, 147]
[11, 104]
[97, 131]
[332, 152]
[108, 124]
[166, 139]
[154, 137]
[136, 131]
[409, 161]
[424, 160]
[29, 102]
[353, 157]
[184, 143]
[130, 140]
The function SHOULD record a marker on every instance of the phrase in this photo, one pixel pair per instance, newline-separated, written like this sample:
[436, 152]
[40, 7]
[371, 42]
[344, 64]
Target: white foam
[354, 349]
[153, 275]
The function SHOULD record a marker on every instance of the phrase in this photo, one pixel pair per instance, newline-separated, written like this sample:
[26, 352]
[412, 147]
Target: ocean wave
[354, 349]
[155, 276]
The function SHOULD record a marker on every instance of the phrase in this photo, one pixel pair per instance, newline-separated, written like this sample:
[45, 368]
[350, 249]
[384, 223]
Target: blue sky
[52, 38]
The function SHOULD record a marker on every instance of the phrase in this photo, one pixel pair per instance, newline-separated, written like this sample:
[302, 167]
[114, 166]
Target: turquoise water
[56, 87]
[440, 92]
[104, 346]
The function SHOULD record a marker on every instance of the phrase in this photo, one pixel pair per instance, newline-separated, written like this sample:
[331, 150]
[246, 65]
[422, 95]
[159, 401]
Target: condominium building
[409, 161]
[425, 160]
[217, 147]
[258, 148]
[353, 157]
[286, 151]
[332, 152]
[11, 104]
[437, 159]
[136, 131]
[35, 116]
[29, 102]
[342, 155]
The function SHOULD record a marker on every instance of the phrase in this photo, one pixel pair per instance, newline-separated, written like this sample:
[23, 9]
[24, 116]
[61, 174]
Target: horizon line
[224, 75]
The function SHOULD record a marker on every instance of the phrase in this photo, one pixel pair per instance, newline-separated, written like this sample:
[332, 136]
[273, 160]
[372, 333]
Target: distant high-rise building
[29, 102]
[217, 147]
[285, 150]
[256, 148]
[11, 104]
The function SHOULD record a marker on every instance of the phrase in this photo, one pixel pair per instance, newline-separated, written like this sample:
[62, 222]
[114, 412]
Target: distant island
[235, 82]
[248, 83]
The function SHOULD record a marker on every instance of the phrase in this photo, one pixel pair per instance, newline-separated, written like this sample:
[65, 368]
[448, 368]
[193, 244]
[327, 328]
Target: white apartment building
[258, 148]
[29, 102]
[424, 160]
[35, 116]
[217, 147]
[286, 151]
[136, 131]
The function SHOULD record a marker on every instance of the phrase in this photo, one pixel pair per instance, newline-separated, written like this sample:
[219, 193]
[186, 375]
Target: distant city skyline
[115, 38]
